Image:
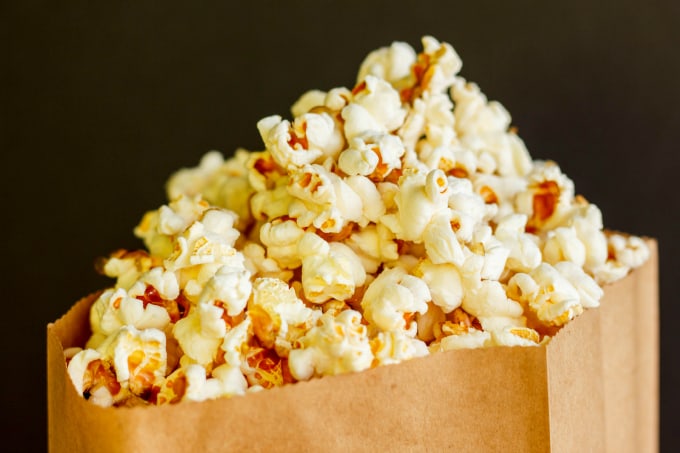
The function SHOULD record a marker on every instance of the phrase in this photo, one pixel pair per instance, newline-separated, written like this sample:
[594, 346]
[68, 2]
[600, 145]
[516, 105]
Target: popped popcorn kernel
[337, 344]
[392, 299]
[394, 347]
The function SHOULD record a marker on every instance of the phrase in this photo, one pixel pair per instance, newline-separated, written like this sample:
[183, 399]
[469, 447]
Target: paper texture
[594, 387]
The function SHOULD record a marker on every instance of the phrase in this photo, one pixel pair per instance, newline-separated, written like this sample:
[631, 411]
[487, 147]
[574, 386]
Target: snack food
[385, 222]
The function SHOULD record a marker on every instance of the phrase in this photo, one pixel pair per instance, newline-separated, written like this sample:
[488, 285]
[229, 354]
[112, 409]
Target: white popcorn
[441, 242]
[263, 172]
[392, 64]
[547, 201]
[551, 294]
[127, 266]
[115, 309]
[162, 281]
[394, 296]
[201, 333]
[374, 245]
[310, 137]
[337, 99]
[588, 290]
[219, 182]
[468, 208]
[327, 200]
[524, 252]
[394, 347]
[420, 198]
[587, 221]
[444, 282]
[193, 181]
[372, 204]
[516, 336]
[490, 300]
[230, 286]
[474, 114]
[562, 244]
[225, 381]
[329, 270]
[444, 63]
[278, 316]
[271, 204]
[306, 102]
[236, 342]
[494, 252]
[358, 159]
[338, 344]
[625, 252]
[259, 265]
[207, 241]
[139, 357]
[281, 237]
[374, 156]
[158, 228]
[500, 190]
[472, 339]
[82, 379]
[631, 251]
[429, 127]
[375, 108]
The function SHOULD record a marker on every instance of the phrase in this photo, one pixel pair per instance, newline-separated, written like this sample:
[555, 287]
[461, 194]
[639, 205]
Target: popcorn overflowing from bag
[389, 221]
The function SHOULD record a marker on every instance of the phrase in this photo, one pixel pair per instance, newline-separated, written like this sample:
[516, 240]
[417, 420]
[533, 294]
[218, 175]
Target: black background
[102, 102]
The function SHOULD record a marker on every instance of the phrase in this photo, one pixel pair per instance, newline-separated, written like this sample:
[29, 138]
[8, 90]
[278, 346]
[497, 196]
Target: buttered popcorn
[389, 220]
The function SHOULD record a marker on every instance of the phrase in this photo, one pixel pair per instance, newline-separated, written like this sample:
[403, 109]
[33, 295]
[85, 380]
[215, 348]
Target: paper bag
[594, 387]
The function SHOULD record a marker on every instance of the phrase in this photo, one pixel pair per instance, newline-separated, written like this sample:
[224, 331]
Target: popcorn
[193, 384]
[444, 282]
[375, 108]
[115, 309]
[329, 270]
[138, 356]
[278, 316]
[624, 253]
[524, 254]
[158, 228]
[126, 266]
[548, 198]
[395, 347]
[201, 333]
[281, 238]
[562, 244]
[391, 300]
[264, 369]
[375, 156]
[338, 344]
[230, 287]
[127, 365]
[375, 244]
[491, 300]
[94, 378]
[400, 217]
[322, 199]
[392, 64]
[555, 293]
[302, 142]
[516, 336]
[420, 197]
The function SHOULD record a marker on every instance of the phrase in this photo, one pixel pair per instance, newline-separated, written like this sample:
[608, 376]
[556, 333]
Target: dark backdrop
[100, 103]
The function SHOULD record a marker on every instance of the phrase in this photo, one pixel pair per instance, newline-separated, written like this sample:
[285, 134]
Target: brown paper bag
[594, 387]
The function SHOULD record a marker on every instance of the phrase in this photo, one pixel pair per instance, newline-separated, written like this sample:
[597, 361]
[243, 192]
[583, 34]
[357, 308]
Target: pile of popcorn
[389, 221]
